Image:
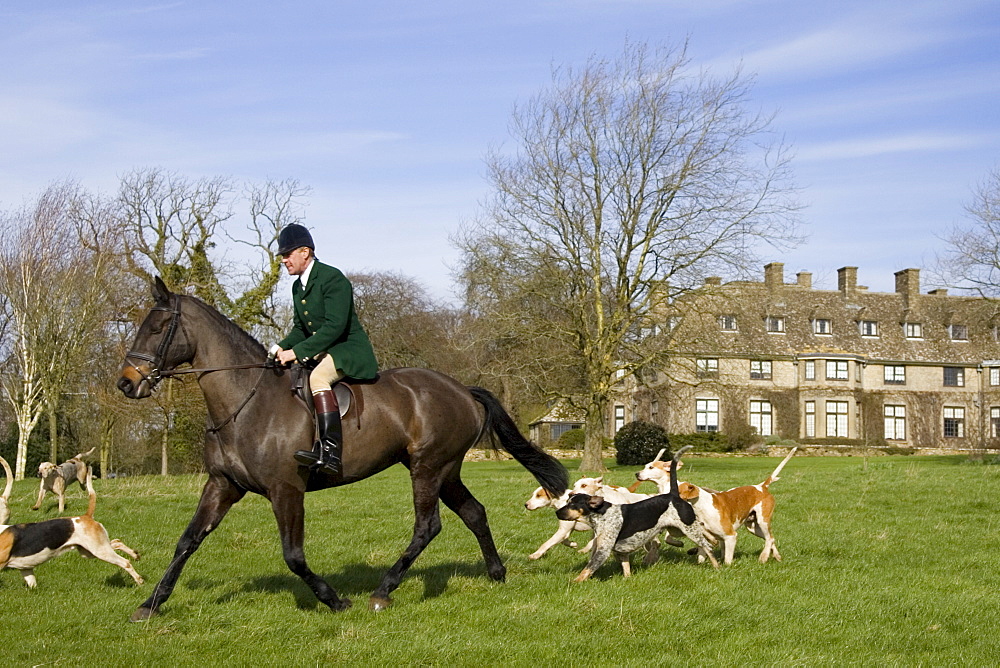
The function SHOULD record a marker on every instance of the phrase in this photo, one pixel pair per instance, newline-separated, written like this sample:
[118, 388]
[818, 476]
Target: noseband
[156, 361]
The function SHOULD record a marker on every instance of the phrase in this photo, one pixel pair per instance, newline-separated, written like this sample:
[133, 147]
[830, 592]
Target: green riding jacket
[325, 322]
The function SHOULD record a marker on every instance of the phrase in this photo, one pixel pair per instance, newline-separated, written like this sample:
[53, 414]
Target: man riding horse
[327, 336]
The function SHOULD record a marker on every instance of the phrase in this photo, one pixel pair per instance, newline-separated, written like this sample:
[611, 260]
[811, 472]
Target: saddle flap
[344, 397]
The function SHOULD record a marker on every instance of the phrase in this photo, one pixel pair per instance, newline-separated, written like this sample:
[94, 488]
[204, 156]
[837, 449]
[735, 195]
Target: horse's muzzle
[133, 388]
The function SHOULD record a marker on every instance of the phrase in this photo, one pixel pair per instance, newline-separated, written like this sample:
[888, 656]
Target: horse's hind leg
[217, 497]
[458, 497]
[286, 501]
[426, 525]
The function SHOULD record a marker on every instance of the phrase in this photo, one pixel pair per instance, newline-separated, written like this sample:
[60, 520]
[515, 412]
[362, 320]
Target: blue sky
[386, 108]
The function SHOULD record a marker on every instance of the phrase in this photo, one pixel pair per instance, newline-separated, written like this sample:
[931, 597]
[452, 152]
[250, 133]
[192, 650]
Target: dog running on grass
[56, 479]
[25, 546]
[624, 528]
[723, 513]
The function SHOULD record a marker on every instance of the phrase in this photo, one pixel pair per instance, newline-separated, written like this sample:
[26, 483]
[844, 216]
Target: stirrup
[309, 458]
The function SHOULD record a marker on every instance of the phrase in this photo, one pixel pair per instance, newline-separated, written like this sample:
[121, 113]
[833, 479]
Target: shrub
[571, 440]
[639, 442]
[702, 441]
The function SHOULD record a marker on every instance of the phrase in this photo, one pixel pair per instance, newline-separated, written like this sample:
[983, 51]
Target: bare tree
[57, 301]
[631, 180]
[971, 259]
[406, 326]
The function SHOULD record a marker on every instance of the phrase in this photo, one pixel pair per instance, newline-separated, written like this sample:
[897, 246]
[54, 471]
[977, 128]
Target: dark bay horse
[416, 417]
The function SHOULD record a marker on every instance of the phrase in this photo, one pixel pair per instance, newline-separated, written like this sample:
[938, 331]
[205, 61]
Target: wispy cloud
[875, 146]
[183, 54]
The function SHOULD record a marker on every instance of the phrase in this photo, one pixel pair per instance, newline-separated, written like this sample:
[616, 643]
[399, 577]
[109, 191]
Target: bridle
[156, 374]
[155, 361]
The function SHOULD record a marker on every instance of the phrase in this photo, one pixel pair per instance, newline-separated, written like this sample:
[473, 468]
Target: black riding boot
[328, 450]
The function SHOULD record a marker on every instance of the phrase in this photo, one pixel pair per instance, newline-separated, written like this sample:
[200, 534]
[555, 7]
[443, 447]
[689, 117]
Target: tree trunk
[167, 414]
[593, 444]
[50, 407]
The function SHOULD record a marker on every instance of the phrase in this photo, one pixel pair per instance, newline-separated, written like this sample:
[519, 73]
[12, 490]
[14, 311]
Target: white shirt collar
[304, 276]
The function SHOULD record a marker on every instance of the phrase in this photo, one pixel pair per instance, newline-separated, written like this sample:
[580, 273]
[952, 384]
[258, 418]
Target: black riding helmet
[294, 236]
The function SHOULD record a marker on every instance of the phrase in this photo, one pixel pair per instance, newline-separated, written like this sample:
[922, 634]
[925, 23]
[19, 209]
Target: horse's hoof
[340, 604]
[498, 574]
[378, 603]
[142, 614]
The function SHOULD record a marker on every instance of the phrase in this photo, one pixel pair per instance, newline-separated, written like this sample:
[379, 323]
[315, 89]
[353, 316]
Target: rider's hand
[285, 356]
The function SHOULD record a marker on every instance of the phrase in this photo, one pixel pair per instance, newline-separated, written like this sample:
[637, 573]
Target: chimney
[804, 279]
[713, 280]
[774, 275]
[847, 280]
[908, 284]
[940, 292]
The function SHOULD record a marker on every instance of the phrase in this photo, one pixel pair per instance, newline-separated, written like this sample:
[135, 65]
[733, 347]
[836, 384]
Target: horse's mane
[237, 336]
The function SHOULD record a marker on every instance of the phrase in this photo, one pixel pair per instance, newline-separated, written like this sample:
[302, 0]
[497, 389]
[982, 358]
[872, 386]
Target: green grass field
[887, 561]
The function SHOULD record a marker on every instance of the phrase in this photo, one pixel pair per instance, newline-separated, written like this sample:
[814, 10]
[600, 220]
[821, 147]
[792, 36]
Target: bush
[571, 440]
[703, 441]
[639, 442]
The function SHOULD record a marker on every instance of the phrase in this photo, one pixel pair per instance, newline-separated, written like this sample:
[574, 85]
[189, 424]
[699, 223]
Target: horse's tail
[548, 471]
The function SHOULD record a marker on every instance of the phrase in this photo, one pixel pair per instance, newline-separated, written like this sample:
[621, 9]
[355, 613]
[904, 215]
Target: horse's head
[159, 345]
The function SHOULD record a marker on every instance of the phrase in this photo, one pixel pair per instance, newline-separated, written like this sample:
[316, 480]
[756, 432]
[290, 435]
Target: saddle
[348, 391]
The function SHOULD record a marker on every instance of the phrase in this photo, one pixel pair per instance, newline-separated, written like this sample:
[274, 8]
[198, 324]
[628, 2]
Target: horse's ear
[160, 292]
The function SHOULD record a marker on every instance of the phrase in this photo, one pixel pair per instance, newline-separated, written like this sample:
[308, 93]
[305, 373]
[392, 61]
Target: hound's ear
[688, 491]
[599, 481]
[596, 501]
[160, 292]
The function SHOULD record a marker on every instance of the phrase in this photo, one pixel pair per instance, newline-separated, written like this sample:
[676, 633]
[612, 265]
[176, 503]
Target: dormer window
[958, 332]
[775, 324]
[727, 323]
[913, 330]
[822, 327]
[869, 328]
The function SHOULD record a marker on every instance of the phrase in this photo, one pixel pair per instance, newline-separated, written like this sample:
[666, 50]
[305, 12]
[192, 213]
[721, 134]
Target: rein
[156, 374]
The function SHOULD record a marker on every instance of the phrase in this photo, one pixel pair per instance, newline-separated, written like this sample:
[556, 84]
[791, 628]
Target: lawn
[887, 561]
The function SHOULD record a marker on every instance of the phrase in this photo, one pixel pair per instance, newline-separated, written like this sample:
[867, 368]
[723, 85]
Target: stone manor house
[838, 366]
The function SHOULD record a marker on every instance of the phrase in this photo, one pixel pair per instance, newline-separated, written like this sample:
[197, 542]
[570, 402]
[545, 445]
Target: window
[619, 417]
[760, 369]
[760, 417]
[895, 423]
[836, 369]
[727, 323]
[810, 369]
[654, 410]
[954, 422]
[954, 376]
[560, 428]
[775, 325]
[913, 330]
[836, 418]
[869, 327]
[810, 419]
[995, 375]
[995, 421]
[895, 375]
[708, 368]
[706, 415]
[958, 332]
[822, 326]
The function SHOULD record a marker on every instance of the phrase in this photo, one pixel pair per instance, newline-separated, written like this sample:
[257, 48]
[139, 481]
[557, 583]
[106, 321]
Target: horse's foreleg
[458, 497]
[217, 497]
[426, 525]
[287, 504]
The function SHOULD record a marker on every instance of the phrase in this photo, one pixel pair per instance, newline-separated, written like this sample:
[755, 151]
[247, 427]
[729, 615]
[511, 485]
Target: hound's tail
[92, 503]
[548, 471]
[774, 475]
[81, 455]
[5, 499]
[673, 469]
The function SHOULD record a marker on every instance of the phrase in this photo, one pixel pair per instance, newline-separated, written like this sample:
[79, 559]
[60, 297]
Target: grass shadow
[353, 581]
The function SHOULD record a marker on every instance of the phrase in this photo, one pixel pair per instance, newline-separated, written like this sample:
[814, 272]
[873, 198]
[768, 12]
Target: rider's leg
[327, 451]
